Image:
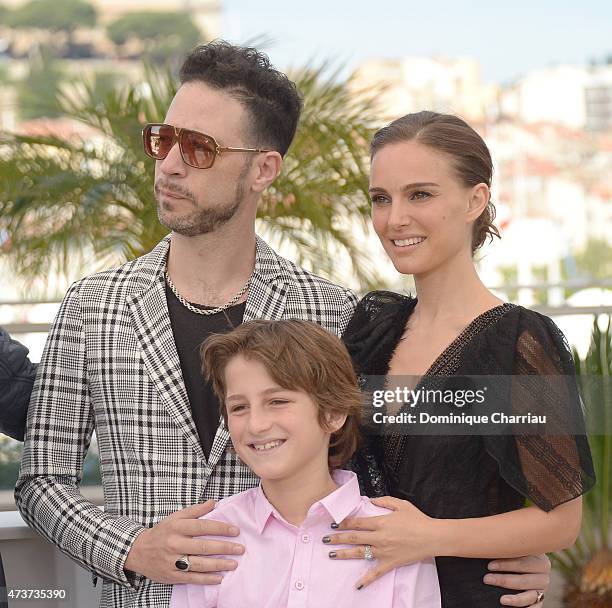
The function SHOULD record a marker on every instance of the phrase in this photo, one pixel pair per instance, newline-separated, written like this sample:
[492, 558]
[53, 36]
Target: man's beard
[202, 220]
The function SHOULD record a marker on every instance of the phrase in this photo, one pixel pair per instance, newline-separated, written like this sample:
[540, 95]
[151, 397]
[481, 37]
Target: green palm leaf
[595, 371]
[92, 199]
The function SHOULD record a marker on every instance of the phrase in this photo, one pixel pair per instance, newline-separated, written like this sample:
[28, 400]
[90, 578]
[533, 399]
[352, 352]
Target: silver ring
[540, 597]
[367, 553]
[183, 563]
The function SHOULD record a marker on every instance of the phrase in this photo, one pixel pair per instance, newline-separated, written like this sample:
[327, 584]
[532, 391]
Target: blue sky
[507, 38]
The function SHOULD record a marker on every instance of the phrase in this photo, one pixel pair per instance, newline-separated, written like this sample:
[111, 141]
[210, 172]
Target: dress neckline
[450, 353]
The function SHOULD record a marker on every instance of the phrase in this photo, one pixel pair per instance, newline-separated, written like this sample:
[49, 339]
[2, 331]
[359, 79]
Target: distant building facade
[410, 84]
[598, 99]
[573, 96]
[206, 14]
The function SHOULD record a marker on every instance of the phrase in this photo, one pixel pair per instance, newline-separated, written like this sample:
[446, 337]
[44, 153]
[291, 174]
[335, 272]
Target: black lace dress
[465, 476]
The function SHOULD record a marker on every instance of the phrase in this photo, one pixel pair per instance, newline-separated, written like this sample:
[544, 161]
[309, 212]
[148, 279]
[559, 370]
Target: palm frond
[595, 372]
[60, 197]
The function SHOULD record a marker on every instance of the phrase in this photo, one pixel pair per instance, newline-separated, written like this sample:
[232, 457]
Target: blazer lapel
[266, 300]
[151, 319]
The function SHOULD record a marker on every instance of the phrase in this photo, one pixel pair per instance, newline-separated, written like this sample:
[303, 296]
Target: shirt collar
[339, 504]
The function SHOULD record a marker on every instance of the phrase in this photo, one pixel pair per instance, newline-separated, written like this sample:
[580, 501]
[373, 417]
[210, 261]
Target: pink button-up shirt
[288, 566]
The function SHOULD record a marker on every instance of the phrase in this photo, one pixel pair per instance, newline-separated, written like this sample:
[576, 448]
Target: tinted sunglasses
[197, 150]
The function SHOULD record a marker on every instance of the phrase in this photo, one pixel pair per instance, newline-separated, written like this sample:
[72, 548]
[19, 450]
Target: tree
[163, 34]
[59, 199]
[4, 14]
[37, 93]
[54, 15]
[5, 76]
[587, 566]
[596, 259]
[104, 83]
[57, 16]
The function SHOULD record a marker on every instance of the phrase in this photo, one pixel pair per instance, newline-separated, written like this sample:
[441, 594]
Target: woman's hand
[405, 536]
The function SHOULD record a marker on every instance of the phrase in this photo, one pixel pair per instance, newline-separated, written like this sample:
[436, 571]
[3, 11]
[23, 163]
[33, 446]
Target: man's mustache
[173, 189]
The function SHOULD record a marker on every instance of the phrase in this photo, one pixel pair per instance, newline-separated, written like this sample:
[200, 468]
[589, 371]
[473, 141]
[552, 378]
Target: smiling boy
[290, 399]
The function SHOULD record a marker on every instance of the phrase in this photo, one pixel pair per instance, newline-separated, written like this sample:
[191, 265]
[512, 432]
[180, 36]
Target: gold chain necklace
[207, 311]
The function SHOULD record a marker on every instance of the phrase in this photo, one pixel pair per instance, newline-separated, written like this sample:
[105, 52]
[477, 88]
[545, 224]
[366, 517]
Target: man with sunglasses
[123, 354]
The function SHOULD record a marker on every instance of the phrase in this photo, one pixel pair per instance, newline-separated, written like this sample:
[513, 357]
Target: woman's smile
[408, 243]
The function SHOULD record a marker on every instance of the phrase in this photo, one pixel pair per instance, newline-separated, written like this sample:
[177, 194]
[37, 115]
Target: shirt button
[305, 538]
[299, 585]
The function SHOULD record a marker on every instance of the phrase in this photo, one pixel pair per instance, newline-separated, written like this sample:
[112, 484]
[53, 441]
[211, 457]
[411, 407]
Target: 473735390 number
[37, 594]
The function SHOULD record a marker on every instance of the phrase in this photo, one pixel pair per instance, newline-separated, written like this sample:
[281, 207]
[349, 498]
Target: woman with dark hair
[463, 494]
[17, 375]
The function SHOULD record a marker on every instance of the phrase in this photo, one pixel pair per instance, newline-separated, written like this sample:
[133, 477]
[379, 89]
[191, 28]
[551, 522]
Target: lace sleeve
[554, 467]
[370, 337]
[374, 330]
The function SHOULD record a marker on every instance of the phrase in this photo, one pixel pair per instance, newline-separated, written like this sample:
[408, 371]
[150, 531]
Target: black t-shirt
[190, 330]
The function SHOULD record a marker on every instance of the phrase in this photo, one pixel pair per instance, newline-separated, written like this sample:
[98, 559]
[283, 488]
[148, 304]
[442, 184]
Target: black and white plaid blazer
[110, 364]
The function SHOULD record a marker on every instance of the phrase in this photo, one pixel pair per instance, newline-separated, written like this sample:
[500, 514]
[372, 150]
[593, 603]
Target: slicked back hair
[450, 135]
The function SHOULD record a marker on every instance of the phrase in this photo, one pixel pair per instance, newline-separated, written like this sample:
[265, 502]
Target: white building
[598, 99]
[411, 84]
[573, 96]
[549, 95]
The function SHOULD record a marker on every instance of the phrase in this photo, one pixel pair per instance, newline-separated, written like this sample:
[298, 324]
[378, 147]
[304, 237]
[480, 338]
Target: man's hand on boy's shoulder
[155, 551]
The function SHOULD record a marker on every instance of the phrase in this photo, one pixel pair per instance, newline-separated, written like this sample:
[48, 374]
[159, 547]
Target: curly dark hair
[453, 136]
[244, 73]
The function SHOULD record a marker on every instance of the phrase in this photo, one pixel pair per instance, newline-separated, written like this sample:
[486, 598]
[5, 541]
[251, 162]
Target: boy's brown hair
[298, 355]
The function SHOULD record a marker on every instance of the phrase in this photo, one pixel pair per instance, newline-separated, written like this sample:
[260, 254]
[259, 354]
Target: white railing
[527, 291]
[33, 565]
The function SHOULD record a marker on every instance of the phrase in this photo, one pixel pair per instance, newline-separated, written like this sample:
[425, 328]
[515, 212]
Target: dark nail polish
[360, 586]
[332, 554]
[326, 539]
[335, 526]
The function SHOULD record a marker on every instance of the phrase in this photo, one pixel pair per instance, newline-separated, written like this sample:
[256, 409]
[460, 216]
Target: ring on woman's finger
[183, 563]
[367, 553]
[539, 597]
